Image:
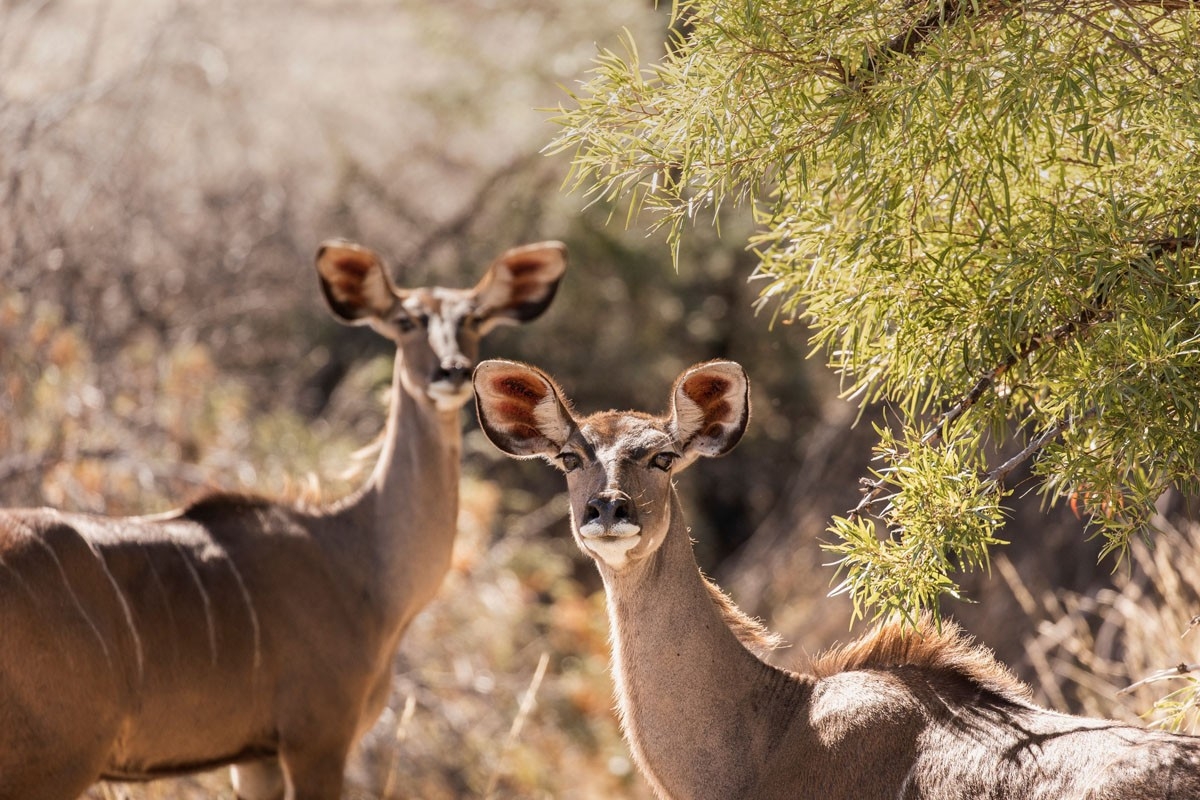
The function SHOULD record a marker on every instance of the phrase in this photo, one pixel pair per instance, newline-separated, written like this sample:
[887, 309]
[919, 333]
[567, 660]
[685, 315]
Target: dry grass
[1087, 649]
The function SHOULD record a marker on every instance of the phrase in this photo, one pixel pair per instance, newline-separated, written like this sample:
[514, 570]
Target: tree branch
[1082, 321]
[908, 42]
[1001, 472]
[1087, 317]
[911, 40]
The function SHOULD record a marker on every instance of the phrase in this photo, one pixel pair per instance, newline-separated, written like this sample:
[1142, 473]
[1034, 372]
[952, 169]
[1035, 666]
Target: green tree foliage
[986, 211]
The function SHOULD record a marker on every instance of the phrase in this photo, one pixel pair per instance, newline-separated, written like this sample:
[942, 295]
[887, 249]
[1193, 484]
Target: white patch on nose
[448, 397]
[612, 544]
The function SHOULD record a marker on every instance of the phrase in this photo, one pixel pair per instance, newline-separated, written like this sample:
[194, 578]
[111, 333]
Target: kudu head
[619, 465]
[438, 330]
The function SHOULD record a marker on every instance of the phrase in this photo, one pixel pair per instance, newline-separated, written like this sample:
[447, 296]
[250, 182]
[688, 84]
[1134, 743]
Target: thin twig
[872, 491]
[1177, 671]
[526, 706]
[410, 707]
[1083, 321]
[1045, 437]
[38, 462]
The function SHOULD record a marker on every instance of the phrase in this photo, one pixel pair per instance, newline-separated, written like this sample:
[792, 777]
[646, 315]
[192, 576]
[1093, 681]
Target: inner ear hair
[711, 407]
[354, 281]
[522, 282]
[521, 409]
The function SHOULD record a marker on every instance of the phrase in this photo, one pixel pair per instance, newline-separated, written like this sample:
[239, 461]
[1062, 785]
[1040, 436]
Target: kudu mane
[308, 495]
[215, 505]
[925, 645]
[946, 650]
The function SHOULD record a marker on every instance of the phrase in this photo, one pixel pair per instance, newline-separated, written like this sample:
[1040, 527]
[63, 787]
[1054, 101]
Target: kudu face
[618, 465]
[438, 330]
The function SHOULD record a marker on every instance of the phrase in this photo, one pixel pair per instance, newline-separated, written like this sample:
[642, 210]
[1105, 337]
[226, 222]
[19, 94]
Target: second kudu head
[619, 464]
[438, 329]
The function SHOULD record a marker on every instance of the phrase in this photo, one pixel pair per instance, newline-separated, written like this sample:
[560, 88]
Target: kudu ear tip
[484, 368]
[550, 257]
[490, 364]
[337, 243]
[335, 256]
[495, 370]
[721, 366]
[549, 244]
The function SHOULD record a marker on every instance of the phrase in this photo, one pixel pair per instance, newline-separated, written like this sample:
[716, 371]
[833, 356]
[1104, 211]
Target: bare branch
[1177, 671]
[1083, 320]
[526, 706]
[1051, 433]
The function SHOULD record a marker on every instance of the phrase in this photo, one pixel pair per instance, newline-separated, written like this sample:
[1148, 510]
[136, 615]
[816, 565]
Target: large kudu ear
[521, 409]
[520, 284]
[355, 282]
[710, 408]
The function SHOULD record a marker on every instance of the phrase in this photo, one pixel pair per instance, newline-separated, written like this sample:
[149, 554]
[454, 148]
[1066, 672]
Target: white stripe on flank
[74, 597]
[250, 608]
[212, 631]
[124, 601]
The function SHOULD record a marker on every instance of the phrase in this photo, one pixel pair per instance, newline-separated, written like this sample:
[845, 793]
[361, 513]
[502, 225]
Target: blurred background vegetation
[167, 169]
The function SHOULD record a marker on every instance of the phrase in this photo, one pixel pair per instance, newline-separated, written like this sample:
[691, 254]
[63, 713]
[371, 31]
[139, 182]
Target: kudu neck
[420, 443]
[408, 511]
[686, 684]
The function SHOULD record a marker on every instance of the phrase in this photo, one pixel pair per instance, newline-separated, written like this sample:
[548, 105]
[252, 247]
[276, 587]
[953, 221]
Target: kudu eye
[407, 323]
[664, 461]
[569, 461]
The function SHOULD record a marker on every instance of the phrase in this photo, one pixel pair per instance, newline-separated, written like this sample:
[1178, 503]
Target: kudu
[898, 714]
[240, 630]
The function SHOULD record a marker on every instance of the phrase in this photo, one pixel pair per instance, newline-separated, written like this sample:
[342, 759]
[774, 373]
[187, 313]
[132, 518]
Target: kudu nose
[607, 510]
[455, 373]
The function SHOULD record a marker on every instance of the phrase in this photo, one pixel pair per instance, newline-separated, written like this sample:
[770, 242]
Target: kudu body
[239, 630]
[899, 714]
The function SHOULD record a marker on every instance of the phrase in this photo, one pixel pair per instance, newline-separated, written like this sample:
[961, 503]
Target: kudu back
[901, 714]
[240, 630]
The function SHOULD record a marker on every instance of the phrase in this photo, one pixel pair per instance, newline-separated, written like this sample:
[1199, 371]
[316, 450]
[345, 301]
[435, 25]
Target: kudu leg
[314, 774]
[310, 778]
[259, 780]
